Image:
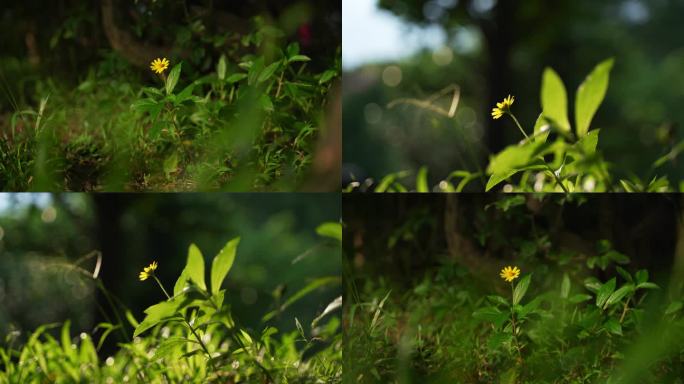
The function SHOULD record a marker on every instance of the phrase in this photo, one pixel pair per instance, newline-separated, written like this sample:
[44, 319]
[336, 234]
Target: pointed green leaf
[674, 307]
[221, 68]
[421, 181]
[624, 274]
[613, 326]
[641, 276]
[268, 72]
[497, 178]
[172, 80]
[195, 266]
[648, 285]
[590, 95]
[156, 314]
[331, 229]
[194, 270]
[490, 314]
[554, 99]
[222, 263]
[565, 286]
[521, 289]
[616, 296]
[541, 129]
[604, 292]
[579, 298]
[494, 299]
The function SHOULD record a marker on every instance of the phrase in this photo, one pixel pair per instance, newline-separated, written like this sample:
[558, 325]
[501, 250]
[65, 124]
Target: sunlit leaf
[222, 263]
[604, 292]
[590, 95]
[172, 80]
[520, 289]
[554, 99]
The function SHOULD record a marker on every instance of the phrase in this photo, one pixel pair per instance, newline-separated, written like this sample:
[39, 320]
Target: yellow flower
[159, 65]
[148, 271]
[510, 273]
[502, 107]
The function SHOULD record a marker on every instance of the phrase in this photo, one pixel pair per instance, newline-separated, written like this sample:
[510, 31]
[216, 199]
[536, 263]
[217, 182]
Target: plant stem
[162, 287]
[558, 180]
[517, 123]
[624, 310]
[194, 332]
[515, 336]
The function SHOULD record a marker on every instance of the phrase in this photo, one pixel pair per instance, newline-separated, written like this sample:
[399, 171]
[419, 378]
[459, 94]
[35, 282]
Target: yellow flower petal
[148, 271]
[159, 65]
[510, 273]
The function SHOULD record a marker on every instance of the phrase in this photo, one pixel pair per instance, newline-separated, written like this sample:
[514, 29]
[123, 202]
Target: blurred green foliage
[82, 111]
[190, 336]
[497, 48]
[422, 306]
[44, 236]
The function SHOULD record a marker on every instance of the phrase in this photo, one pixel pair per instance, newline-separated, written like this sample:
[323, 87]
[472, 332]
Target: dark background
[515, 40]
[43, 235]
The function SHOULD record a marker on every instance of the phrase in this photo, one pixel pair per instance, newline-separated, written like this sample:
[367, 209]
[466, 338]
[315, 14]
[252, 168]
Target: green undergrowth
[190, 336]
[553, 154]
[553, 324]
[245, 119]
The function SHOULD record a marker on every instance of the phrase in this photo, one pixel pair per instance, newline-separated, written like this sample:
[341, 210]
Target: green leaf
[155, 314]
[530, 307]
[624, 274]
[66, 341]
[554, 99]
[579, 298]
[641, 276]
[541, 129]
[565, 286]
[674, 307]
[489, 314]
[421, 181]
[494, 299]
[185, 94]
[331, 229]
[521, 288]
[268, 72]
[648, 286]
[170, 164]
[590, 95]
[194, 270]
[497, 178]
[513, 157]
[327, 76]
[604, 292]
[235, 77]
[497, 339]
[310, 287]
[172, 80]
[221, 68]
[222, 263]
[299, 58]
[144, 105]
[613, 326]
[592, 284]
[587, 144]
[616, 296]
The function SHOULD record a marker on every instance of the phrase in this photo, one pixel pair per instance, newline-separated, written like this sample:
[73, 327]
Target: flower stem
[161, 286]
[558, 181]
[194, 332]
[515, 336]
[517, 123]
